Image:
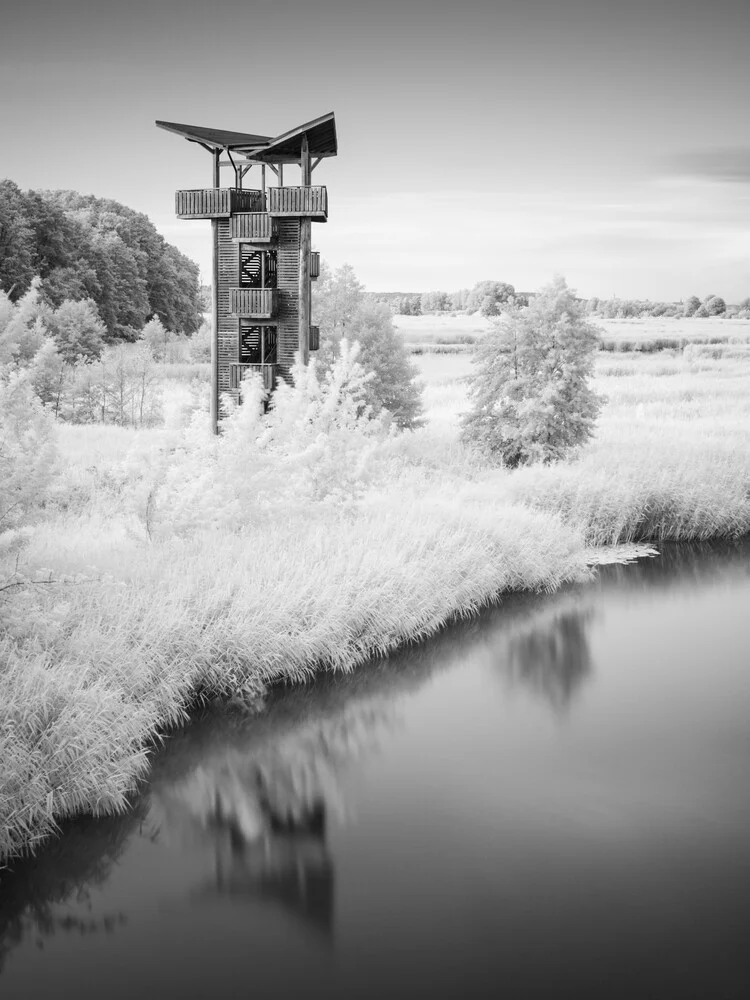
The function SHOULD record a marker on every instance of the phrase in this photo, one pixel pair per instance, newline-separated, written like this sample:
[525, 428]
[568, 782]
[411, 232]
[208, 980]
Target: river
[549, 800]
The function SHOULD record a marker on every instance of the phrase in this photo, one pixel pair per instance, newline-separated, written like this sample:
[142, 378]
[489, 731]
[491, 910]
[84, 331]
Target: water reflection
[66, 871]
[248, 803]
[552, 660]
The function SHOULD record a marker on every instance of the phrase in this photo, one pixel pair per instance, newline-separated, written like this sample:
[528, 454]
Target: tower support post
[305, 246]
[214, 404]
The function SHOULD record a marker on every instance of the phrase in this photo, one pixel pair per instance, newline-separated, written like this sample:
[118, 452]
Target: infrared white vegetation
[166, 566]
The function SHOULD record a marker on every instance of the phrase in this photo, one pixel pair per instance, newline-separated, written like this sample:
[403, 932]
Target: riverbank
[128, 626]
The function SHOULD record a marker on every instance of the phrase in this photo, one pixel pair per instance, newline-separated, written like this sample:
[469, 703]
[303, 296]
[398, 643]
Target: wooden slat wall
[312, 201]
[210, 203]
[253, 226]
[260, 302]
[288, 286]
[238, 371]
[229, 326]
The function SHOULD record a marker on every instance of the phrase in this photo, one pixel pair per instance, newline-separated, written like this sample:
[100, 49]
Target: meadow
[457, 332]
[126, 620]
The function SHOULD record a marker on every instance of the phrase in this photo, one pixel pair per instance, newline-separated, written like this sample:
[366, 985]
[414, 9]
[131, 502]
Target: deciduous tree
[530, 392]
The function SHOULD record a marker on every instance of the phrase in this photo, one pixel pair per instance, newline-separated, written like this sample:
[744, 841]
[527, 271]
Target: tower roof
[283, 148]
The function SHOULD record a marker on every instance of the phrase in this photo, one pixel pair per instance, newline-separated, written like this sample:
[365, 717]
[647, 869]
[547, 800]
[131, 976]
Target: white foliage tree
[531, 399]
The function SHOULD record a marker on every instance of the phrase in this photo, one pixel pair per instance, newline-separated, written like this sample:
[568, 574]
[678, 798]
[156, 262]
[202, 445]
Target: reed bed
[124, 633]
[116, 663]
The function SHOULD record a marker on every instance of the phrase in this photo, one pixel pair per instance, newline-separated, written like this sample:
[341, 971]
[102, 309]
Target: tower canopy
[284, 148]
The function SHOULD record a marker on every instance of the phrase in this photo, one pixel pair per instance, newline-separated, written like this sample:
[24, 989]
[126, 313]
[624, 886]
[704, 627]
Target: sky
[604, 140]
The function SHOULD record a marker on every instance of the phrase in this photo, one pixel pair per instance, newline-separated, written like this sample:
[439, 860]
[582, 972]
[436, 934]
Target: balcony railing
[254, 227]
[267, 372]
[253, 303]
[314, 341]
[310, 202]
[216, 203]
[314, 265]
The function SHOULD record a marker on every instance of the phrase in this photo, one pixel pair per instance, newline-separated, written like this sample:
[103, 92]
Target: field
[457, 332]
[131, 621]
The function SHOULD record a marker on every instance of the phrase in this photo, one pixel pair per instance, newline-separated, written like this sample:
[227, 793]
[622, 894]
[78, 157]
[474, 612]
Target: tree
[85, 247]
[715, 305]
[17, 243]
[27, 453]
[531, 401]
[434, 301]
[692, 305]
[336, 297]
[78, 330]
[50, 376]
[342, 309]
[393, 386]
[156, 336]
[489, 296]
[24, 327]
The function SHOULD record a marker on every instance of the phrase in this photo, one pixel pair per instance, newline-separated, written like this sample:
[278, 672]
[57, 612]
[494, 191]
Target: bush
[531, 398]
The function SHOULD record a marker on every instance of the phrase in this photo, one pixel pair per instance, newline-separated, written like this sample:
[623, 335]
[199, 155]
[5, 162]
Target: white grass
[94, 668]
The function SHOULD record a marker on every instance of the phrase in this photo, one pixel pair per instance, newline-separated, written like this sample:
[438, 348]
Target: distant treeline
[490, 297]
[84, 247]
[486, 297]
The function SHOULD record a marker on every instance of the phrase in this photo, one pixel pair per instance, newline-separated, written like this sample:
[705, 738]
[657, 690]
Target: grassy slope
[96, 667]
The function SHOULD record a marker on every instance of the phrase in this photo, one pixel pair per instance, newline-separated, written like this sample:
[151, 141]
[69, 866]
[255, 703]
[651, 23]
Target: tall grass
[98, 665]
[115, 663]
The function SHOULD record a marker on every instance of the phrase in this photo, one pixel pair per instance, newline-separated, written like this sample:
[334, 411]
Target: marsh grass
[98, 665]
[118, 662]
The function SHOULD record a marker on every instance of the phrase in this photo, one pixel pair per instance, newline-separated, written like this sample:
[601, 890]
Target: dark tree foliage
[84, 247]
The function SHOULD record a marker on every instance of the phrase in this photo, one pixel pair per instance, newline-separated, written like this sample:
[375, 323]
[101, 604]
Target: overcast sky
[607, 140]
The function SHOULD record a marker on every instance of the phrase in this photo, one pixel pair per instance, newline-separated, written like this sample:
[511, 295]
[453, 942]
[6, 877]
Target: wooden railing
[314, 264]
[255, 227]
[302, 201]
[253, 303]
[314, 340]
[267, 372]
[216, 203]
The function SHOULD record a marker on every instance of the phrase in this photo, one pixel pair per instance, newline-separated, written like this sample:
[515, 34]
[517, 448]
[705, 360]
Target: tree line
[491, 298]
[83, 248]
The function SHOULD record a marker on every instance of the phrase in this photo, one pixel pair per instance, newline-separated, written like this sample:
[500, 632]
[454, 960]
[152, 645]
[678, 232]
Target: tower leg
[305, 236]
[214, 406]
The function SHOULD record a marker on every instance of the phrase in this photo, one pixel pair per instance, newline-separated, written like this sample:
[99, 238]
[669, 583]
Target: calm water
[549, 801]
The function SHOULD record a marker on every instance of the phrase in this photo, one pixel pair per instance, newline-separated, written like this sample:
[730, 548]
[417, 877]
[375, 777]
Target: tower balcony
[314, 265]
[253, 303]
[306, 202]
[267, 372]
[216, 203]
[254, 227]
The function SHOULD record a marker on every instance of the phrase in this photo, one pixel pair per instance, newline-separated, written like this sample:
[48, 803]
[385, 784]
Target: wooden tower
[262, 256]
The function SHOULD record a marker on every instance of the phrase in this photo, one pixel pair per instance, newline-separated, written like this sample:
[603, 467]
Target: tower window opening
[258, 344]
[257, 268]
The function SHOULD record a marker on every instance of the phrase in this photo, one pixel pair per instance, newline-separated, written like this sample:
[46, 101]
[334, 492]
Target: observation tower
[263, 262]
